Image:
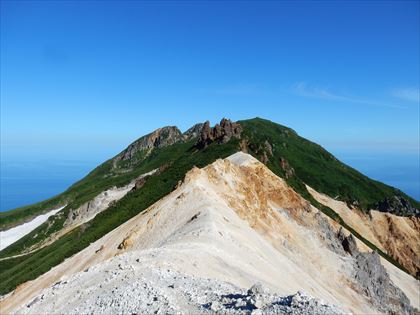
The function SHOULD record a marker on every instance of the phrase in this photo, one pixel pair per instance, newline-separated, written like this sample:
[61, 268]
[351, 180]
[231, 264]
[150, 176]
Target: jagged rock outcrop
[288, 170]
[350, 245]
[398, 236]
[398, 205]
[193, 132]
[268, 147]
[259, 300]
[142, 179]
[140, 183]
[166, 136]
[373, 280]
[328, 235]
[159, 138]
[220, 133]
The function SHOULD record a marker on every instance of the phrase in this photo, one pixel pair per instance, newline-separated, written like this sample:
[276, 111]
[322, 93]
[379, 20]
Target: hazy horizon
[25, 182]
[82, 80]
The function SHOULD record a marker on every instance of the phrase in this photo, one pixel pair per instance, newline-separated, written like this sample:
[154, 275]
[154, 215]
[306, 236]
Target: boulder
[256, 289]
[350, 245]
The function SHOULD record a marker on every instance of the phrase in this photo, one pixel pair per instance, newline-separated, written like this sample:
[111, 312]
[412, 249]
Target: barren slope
[11, 235]
[232, 221]
[398, 236]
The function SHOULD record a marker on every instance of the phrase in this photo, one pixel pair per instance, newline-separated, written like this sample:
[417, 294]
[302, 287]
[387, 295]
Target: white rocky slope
[101, 202]
[12, 235]
[75, 217]
[228, 226]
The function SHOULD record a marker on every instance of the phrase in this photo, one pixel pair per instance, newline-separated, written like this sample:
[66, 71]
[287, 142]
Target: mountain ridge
[234, 221]
[165, 136]
[293, 158]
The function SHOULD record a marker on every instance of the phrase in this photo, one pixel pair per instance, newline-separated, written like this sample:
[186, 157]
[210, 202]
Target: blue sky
[81, 80]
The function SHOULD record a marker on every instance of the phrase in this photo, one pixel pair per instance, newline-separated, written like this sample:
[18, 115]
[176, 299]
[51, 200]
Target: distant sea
[400, 171]
[24, 183]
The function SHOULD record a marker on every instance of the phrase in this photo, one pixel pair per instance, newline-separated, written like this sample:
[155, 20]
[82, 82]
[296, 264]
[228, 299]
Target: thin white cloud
[407, 94]
[303, 89]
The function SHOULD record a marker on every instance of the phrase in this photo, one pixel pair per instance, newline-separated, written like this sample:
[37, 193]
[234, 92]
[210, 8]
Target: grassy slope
[312, 164]
[94, 183]
[20, 215]
[319, 169]
[80, 190]
[17, 270]
[101, 178]
[316, 167]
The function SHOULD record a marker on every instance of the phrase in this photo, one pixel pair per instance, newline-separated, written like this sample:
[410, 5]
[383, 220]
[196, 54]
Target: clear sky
[82, 79]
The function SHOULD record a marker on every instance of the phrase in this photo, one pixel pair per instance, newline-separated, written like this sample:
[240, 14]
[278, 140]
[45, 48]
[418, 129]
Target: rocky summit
[243, 217]
[220, 133]
[159, 138]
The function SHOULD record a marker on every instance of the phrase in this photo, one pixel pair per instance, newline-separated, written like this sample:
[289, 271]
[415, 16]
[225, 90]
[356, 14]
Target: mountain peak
[159, 138]
[169, 135]
[344, 195]
[194, 131]
[220, 133]
[242, 159]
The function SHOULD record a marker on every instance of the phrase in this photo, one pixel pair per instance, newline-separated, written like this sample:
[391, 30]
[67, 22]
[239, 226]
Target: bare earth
[229, 225]
[398, 236]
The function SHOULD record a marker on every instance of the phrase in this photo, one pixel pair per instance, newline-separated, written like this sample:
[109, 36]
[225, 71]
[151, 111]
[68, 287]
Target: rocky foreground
[165, 291]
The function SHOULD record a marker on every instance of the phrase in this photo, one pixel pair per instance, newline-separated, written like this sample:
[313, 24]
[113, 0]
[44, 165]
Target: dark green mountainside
[290, 156]
[303, 162]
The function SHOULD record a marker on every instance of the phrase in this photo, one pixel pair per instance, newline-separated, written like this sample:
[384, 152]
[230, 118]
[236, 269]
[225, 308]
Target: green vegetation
[314, 166]
[317, 168]
[180, 157]
[17, 216]
[296, 159]
[101, 178]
